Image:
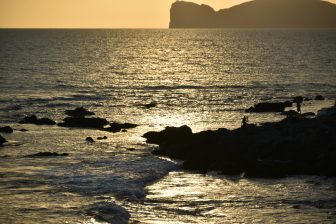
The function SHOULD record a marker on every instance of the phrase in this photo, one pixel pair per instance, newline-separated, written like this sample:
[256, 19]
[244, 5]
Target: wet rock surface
[295, 145]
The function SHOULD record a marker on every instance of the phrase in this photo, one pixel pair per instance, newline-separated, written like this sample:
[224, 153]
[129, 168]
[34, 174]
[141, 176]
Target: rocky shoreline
[294, 146]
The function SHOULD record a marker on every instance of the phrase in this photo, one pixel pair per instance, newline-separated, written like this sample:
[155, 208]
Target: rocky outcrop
[84, 122]
[255, 14]
[295, 145]
[79, 112]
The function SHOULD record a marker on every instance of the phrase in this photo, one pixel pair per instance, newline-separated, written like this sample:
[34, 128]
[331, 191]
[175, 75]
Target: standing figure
[244, 121]
[298, 106]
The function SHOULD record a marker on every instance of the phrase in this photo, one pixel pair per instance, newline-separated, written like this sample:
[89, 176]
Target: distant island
[255, 14]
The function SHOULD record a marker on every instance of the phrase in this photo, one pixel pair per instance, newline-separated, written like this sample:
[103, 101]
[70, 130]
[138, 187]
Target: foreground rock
[6, 129]
[269, 107]
[295, 145]
[48, 154]
[2, 140]
[38, 121]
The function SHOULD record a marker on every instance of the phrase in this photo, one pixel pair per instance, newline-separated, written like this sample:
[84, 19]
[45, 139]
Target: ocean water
[202, 78]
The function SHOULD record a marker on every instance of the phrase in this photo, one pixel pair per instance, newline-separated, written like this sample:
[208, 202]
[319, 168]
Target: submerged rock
[6, 129]
[2, 140]
[295, 145]
[269, 107]
[23, 130]
[48, 154]
[101, 138]
[34, 120]
[79, 112]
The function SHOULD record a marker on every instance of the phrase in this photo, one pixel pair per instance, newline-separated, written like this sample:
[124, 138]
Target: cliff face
[256, 14]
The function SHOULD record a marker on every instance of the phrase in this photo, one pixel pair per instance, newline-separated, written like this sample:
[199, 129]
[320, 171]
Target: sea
[203, 78]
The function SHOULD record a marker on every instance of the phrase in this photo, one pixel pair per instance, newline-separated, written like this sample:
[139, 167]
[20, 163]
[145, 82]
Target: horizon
[37, 14]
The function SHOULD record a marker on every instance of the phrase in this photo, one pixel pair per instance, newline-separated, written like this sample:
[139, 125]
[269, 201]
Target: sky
[93, 13]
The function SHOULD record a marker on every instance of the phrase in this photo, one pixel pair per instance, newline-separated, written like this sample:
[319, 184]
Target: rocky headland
[255, 14]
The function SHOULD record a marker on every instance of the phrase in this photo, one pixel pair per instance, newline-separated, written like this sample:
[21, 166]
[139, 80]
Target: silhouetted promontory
[256, 14]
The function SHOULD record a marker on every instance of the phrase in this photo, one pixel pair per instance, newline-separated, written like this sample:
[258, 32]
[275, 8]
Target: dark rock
[48, 154]
[123, 130]
[295, 145]
[29, 120]
[150, 105]
[89, 140]
[331, 111]
[307, 99]
[319, 97]
[6, 129]
[2, 140]
[23, 130]
[269, 107]
[309, 114]
[79, 112]
[82, 122]
[34, 120]
[169, 135]
[117, 127]
[101, 138]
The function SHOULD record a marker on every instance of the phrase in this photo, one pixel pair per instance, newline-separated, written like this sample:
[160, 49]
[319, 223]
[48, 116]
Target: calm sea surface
[202, 78]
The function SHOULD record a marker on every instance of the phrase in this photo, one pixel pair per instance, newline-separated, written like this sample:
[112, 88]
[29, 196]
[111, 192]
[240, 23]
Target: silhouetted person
[244, 121]
[298, 106]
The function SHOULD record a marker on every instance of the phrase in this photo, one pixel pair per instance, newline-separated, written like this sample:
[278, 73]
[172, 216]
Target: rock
[117, 127]
[34, 120]
[82, 122]
[89, 140]
[2, 140]
[48, 154]
[169, 135]
[150, 105]
[319, 97]
[23, 130]
[294, 146]
[123, 130]
[6, 129]
[29, 120]
[79, 112]
[269, 107]
[101, 138]
[331, 111]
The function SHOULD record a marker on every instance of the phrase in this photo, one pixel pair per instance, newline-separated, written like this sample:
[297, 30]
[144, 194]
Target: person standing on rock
[244, 121]
[298, 106]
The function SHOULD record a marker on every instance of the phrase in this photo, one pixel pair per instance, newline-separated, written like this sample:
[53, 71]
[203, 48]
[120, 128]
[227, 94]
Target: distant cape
[255, 14]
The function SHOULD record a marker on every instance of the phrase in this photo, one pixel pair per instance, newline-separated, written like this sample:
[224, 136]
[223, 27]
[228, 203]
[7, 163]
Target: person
[244, 121]
[298, 106]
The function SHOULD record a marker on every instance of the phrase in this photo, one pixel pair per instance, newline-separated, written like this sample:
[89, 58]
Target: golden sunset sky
[93, 13]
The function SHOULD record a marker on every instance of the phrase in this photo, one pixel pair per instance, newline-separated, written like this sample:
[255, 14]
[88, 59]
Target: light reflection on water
[211, 198]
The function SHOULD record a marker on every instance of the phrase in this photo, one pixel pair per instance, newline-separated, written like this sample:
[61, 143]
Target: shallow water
[201, 78]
